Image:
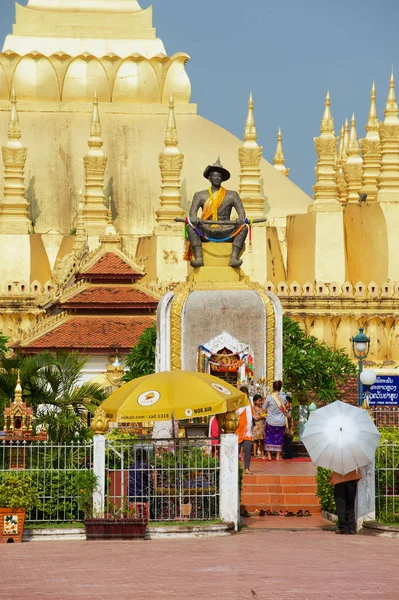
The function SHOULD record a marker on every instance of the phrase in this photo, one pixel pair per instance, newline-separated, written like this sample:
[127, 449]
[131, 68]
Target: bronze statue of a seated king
[217, 204]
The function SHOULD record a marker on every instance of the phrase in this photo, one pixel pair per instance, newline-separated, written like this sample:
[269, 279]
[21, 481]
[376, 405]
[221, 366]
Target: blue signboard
[385, 391]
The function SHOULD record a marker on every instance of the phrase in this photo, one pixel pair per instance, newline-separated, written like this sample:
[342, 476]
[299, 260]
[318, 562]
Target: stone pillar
[99, 471]
[229, 490]
[365, 499]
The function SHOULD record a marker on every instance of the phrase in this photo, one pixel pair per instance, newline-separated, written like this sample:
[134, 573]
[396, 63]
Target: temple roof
[111, 297]
[111, 265]
[90, 334]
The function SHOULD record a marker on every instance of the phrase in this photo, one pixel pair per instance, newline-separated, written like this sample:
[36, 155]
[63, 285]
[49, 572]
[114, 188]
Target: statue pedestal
[216, 268]
[219, 309]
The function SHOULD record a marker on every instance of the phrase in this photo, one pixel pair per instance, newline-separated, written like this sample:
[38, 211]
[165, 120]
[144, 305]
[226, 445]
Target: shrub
[17, 491]
[325, 491]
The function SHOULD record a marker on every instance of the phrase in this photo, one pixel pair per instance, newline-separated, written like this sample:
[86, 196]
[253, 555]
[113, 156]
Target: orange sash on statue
[212, 205]
[209, 212]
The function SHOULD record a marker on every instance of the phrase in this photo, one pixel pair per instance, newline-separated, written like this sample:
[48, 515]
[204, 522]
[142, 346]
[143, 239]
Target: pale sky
[288, 53]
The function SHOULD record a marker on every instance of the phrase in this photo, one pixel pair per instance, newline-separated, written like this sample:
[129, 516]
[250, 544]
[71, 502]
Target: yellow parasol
[181, 394]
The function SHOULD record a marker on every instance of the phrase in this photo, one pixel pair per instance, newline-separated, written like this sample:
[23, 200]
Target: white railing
[387, 481]
[178, 479]
[59, 472]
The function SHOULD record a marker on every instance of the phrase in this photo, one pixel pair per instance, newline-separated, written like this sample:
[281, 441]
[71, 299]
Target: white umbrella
[341, 437]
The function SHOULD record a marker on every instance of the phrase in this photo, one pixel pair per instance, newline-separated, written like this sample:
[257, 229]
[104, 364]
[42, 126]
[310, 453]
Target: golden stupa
[89, 100]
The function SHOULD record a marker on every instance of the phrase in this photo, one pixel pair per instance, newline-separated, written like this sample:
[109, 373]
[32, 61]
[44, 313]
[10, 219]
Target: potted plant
[122, 521]
[17, 496]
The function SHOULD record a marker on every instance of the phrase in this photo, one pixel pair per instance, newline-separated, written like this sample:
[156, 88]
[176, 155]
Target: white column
[99, 471]
[229, 492]
[365, 499]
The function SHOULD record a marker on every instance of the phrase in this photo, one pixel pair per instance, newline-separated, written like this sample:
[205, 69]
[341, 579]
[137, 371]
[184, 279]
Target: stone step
[314, 510]
[280, 492]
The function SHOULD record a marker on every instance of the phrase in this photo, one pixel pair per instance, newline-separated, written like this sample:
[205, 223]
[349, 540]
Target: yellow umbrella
[181, 394]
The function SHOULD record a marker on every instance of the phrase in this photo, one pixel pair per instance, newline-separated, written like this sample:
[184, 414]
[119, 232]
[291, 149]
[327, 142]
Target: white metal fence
[178, 479]
[60, 474]
[385, 416]
[387, 481]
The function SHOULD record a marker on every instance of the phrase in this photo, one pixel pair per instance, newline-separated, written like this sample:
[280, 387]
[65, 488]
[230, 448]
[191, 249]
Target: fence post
[365, 499]
[229, 490]
[99, 471]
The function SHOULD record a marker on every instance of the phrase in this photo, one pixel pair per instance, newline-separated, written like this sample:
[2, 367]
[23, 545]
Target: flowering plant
[18, 491]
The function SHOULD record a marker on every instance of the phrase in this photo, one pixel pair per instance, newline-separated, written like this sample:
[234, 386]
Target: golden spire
[326, 188]
[14, 128]
[171, 139]
[14, 207]
[388, 182]
[372, 123]
[111, 238]
[279, 158]
[80, 241]
[171, 164]
[341, 145]
[341, 158]
[250, 134]
[327, 122]
[371, 150]
[391, 108]
[346, 140]
[95, 162]
[249, 155]
[18, 389]
[353, 167]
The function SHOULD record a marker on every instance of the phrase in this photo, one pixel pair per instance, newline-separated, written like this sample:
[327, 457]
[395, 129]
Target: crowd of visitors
[266, 426]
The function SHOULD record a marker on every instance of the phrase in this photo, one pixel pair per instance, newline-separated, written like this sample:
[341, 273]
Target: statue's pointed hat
[217, 167]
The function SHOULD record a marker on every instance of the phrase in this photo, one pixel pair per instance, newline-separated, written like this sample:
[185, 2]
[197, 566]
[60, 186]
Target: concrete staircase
[280, 492]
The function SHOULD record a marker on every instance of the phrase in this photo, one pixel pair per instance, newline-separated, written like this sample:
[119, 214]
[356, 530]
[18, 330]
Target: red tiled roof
[111, 265]
[112, 297]
[93, 333]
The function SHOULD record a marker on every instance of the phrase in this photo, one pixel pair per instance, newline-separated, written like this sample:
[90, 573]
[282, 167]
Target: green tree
[310, 366]
[141, 358]
[52, 381]
[3, 345]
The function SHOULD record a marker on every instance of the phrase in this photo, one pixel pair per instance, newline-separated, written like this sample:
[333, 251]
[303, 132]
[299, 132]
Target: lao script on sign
[385, 391]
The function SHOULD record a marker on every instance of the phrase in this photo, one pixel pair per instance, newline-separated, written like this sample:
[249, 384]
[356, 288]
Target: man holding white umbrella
[345, 488]
[343, 438]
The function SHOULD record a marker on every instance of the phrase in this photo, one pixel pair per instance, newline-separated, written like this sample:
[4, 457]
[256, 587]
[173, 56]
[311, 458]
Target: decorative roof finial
[391, 108]
[18, 389]
[14, 128]
[353, 140]
[327, 122]
[250, 134]
[372, 123]
[279, 158]
[171, 139]
[95, 129]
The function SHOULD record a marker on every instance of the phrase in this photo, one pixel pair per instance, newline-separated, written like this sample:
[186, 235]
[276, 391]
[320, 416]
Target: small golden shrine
[18, 418]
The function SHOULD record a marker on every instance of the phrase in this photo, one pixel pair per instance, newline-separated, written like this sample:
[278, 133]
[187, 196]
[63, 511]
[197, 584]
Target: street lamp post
[361, 348]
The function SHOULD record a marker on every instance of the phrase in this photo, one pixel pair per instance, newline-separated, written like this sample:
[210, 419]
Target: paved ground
[263, 565]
